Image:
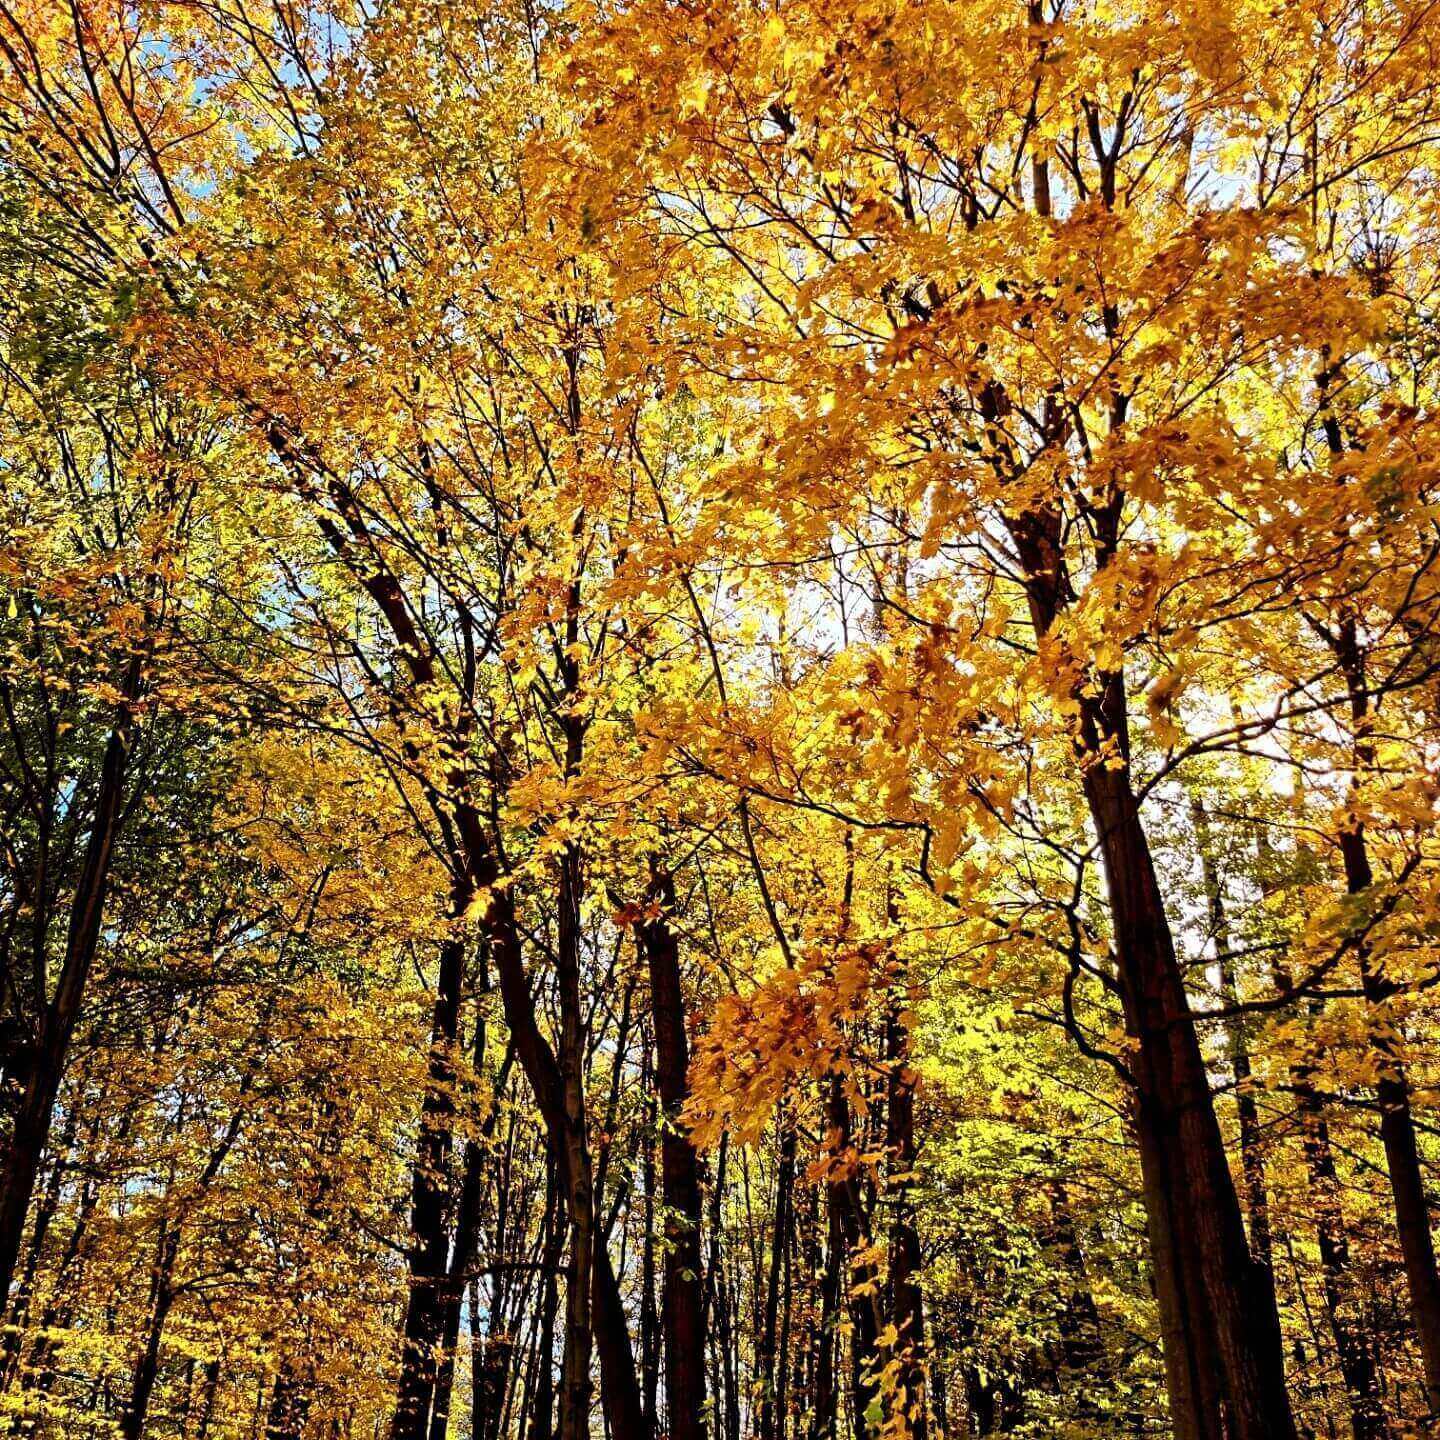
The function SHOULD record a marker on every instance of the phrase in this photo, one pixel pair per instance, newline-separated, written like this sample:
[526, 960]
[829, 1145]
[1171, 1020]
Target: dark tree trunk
[1252, 1154]
[429, 1252]
[542, 1417]
[207, 1400]
[682, 1298]
[858, 1278]
[289, 1405]
[825, 1413]
[718, 1290]
[557, 1084]
[1352, 1345]
[1397, 1125]
[1081, 1343]
[45, 1213]
[905, 1258]
[1217, 1303]
[575, 1376]
[445, 1375]
[769, 1357]
[617, 1364]
[147, 1367]
[1402, 1156]
[649, 1311]
[56, 1020]
[462, 1258]
[162, 1283]
[490, 1377]
[1221, 1328]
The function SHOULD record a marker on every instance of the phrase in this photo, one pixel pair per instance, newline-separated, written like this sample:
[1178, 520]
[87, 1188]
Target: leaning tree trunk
[471, 855]
[1223, 1333]
[619, 1381]
[147, 1367]
[1224, 1361]
[56, 1021]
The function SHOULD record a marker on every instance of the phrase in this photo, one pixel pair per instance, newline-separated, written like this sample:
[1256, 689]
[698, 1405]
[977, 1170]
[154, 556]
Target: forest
[719, 719]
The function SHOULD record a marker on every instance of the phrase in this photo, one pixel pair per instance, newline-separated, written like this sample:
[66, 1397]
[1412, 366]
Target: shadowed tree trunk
[769, 1360]
[905, 1258]
[1397, 1124]
[55, 1022]
[162, 1298]
[429, 1251]
[682, 1299]
[1252, 1154]
[1221, 1329]
[858, 1276]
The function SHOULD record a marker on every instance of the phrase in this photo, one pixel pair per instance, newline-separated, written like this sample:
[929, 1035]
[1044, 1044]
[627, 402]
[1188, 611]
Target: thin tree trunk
[649, 1312]
[556, 1091]
[1397, 1125]
[617, 1363]
[45, 1213]
[207, 1403]
[769, 1356]
[719, 1293]
[147, 1367]
[905, 1257]
[289, 1405]
[542, 1419]
[162, 1278]
[1252, 1155]
[575, 1379]
[1081, 1343]
[1353, 1346]
[824, 1415]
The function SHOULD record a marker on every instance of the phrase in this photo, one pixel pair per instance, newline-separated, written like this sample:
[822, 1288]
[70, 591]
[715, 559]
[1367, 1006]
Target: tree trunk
[147, 1367]
[718, 1289]
[1221, 1328]
[45, 1214]
[429, 1251]
[558, 1091]
[207, 1401]
[857, 1278]
[682, 1300]
[289, 1405]
[58, 1015]
[824, 1415]
[542, 1418]
[649, 1311]
[1397, 1125]
[768, 1357]
[905, 1258]
[575, 1377]
[618, 1376]
[1252, 1154]
[1353, 1346]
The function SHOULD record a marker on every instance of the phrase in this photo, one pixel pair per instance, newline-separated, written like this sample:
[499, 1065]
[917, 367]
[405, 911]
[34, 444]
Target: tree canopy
[719, 721]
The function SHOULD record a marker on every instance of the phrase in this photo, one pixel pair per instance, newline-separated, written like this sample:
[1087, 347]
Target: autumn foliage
[719, 721]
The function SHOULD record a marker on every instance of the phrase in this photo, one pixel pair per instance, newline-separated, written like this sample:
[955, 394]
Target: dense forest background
[719, 719]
